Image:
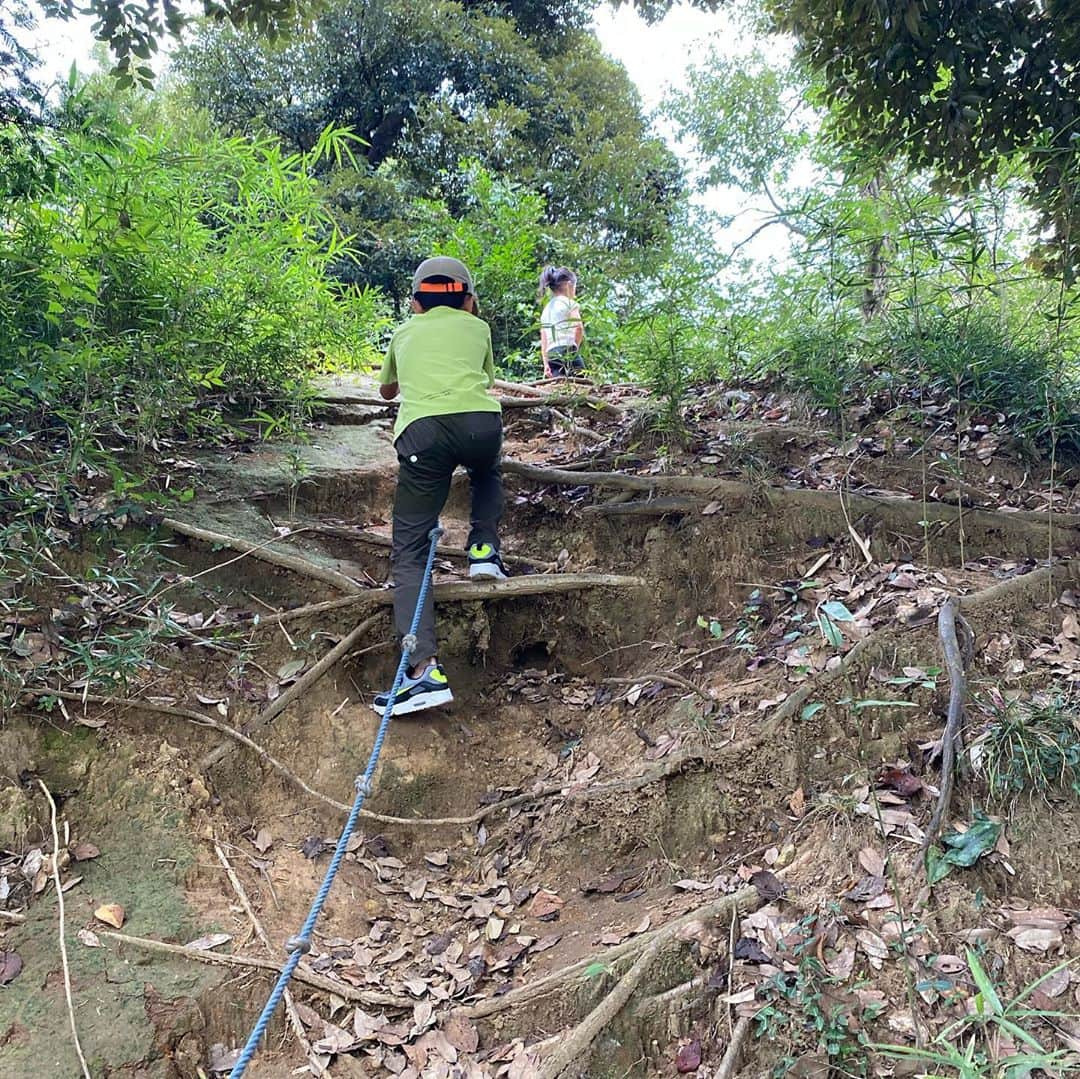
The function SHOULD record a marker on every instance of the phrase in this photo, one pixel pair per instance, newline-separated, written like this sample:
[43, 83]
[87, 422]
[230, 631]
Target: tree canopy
[957, 86]
[428, 84]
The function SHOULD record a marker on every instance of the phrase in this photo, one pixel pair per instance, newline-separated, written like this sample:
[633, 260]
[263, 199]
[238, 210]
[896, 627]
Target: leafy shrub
[151, 276]
[1031, 747]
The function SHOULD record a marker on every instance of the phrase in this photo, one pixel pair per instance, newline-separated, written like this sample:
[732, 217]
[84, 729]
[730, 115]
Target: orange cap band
[438, 286]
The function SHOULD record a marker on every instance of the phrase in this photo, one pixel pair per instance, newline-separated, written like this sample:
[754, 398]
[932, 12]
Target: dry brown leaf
[461, 1034]
[111, 914]
[1035, 940]
[83, 852]
[872, 862]
[546, 905]
[797, 802]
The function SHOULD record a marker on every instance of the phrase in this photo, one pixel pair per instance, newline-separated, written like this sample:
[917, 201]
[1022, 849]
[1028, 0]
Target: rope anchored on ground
[299, 945]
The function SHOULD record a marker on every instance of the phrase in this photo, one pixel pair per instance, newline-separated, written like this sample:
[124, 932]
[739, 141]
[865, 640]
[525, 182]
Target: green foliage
[957, 88]
[671, 339]
[972, 1047]
[1029, 748]
[811, 1011]
[431, 85]
[154, 275]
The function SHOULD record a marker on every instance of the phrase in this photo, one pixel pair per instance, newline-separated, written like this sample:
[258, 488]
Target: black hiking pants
[428, 451]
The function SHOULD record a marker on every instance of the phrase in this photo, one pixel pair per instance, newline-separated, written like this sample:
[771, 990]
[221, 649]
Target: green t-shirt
[443, 363]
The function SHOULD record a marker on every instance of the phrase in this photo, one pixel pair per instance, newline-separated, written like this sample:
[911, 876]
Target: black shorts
[564, 360]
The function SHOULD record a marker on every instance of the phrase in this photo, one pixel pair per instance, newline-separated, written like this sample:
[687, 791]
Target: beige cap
[443, 266]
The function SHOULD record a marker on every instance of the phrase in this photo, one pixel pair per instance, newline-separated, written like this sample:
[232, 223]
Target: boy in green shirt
[442, 364]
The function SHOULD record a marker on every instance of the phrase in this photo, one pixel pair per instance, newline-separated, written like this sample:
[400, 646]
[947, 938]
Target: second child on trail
[441, 362]
[561, 328]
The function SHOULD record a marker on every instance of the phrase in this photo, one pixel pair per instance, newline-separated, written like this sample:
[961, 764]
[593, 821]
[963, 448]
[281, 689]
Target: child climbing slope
[442, 363]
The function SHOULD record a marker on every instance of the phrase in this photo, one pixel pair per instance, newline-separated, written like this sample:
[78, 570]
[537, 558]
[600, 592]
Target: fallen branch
[12, 917]
[729, 1066]
[533, 584]
[303, 973]
[664, 678]
[261, 551]
[574, 1050]
[62, 937]
[301, 686]
[743, 901]
[669, 767]
[373, 539]
[954, 664]
[290, 1005]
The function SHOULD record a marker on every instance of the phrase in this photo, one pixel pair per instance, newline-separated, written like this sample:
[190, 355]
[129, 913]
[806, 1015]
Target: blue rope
[300, 945]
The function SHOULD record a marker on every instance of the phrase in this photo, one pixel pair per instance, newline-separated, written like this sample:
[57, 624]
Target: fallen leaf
[768, 885]
[89, 938]
[546, 905]
[111, 914]
[83, 852]
[313, 846]
[872, 861]
[875, 949]
[868, 888]
[797, 802]
[1035, 940]
[688, 1058]
[749, 950]
[11, 965]
[210, 941]
[461, 1034]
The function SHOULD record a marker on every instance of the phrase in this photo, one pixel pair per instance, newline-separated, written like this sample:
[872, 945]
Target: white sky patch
[658, 59]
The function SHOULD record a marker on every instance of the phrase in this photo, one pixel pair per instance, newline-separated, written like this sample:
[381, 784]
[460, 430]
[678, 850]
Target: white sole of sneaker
[418, 704]
[486, 571]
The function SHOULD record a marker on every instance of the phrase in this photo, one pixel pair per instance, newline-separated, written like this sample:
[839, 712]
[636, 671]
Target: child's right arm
[388, 379]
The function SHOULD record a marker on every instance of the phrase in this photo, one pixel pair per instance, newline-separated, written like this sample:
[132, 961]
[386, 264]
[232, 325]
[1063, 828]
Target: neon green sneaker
[485, 563]
[430, 690]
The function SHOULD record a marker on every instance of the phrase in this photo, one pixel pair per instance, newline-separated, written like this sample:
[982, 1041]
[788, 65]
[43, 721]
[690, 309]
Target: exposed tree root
[373, 539]
[62, 933]
[954, 664]
[574, 1049]
[665, 678]
[666, 768]
[301, 686]
[290, 1005]
[743, 901]
[729, 1066]
[535, 584]
[303, 973]
[736, 496]
[564, 400]
[262, 552]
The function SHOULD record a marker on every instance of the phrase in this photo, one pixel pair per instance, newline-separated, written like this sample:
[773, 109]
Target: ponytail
[552, 277]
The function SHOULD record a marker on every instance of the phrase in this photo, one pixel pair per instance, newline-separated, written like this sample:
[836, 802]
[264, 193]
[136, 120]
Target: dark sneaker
[485, 564]
[430, 690]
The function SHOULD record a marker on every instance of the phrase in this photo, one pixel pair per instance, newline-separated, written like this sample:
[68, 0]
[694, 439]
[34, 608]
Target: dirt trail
[758, 714]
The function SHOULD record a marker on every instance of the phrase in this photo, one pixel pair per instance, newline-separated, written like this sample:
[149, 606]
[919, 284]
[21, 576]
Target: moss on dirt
[137, 820]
